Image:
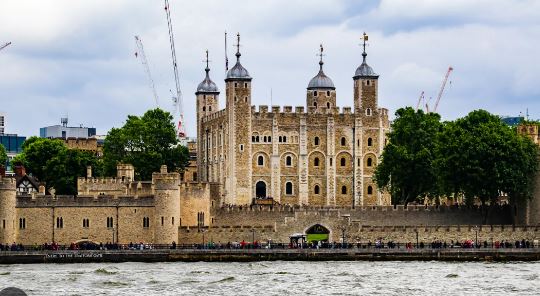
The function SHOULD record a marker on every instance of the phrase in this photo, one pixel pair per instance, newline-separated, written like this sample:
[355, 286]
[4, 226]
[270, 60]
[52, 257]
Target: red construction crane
[5, 45]
[140, 54]
[450, 69]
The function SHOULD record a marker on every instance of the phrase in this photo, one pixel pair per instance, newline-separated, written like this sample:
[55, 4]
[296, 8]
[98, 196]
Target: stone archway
[317, 233]
[260, 189]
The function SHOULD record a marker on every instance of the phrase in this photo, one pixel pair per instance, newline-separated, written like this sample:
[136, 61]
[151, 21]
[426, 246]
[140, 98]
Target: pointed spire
[207, 69]
[238, 54]
[321, 63]
[364, 54]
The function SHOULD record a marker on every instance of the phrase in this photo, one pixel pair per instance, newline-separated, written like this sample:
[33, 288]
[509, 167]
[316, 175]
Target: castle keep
[314, 155]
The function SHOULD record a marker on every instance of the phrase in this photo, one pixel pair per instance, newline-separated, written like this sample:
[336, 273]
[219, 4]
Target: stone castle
[315, 155]
[315, 165]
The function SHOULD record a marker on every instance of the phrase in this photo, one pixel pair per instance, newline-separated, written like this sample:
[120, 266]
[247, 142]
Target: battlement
[106, 180]
[7, 183]
[215, 115]
[32, 201]
[263, 109]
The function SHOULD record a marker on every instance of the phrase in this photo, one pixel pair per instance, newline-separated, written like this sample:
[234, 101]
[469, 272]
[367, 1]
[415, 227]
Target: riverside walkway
[248, 255]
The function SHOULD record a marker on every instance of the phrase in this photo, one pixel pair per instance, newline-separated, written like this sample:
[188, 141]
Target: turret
[238, 83]
[321, 92]
[166, 206]
[365, 86]
[207, 103]
[8, 202]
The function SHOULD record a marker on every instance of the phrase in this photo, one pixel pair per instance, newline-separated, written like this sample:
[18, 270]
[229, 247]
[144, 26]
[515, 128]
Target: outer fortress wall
[167, 206]
[194, 200]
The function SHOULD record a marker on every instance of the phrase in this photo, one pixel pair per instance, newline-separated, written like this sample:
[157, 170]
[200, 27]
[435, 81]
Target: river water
[275, 278]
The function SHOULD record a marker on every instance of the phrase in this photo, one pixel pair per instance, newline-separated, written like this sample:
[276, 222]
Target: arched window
[260, 160]
[316, 141]
[343, 161]
[280, 139]
[288, 188]
[269, 139]
[204, 108]
[343, 141]
[367, 82]
[253, 139]
[327, 93]
[315, 93]
[343, 189]
[257, 139]
[316, 162]
[369, 162]
[260, 189]
[369, 190]
[210, 108]
[368, 111]
[315, 104]
[288, 160]
[264, 139]
[328, 105]
[369, 142]
[330, 161]
[284, 139]
[317, 189]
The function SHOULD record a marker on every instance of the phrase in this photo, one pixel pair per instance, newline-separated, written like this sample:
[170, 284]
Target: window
[4, 223]
[330, 161]
[260, 160]
[204, 108]
[284, 139]
[245, 84]
[315, 93]
[343, 141]
[316, 141]
[241, 147]
[235, 84]
[172, 220]
[86, 223]
[22, 223]
[315, 104]
[265, 139]
[110, 222]
[369, 190]
[59, 222]
[280, 139]
[146, 222]
[257, 139]
[316, 162]
[343, 189]
[369, 162]
[317, 189]
[288, 188]
[368, 111]
[358, 161]
[253, 139]
[269, 139]
[210, 108]
[162, 220]
[288, 160]
[367, 82]
[328, 105]
[369, 142]
[327, 93]
[343, 161]
[200, 219]
[195, 177]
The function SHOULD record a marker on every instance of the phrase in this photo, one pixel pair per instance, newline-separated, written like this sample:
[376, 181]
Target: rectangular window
[22, 223]
[172, 221]
[3, 223]
[162, 220]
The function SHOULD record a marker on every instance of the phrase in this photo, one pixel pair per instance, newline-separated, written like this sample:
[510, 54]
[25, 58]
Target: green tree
[406, 167]
[3, 156]
[146, 142]
[36, 153]
[480, 157]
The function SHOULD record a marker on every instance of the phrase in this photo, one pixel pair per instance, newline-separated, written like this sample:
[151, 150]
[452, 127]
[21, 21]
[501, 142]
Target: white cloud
[76, 57]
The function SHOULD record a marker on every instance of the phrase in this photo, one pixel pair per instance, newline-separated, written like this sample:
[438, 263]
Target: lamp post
[253, 237]
[416, 231]
[476, 240]
[203, 231]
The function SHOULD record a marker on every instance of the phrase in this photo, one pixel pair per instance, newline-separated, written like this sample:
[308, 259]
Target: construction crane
[177, 100]
[450, 69]
[140, 54]
[5, 45]
[420, 100]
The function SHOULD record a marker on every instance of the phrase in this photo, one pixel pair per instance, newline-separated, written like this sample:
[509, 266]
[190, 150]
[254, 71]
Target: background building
[2, 123]
[64, 131]
[13, 144]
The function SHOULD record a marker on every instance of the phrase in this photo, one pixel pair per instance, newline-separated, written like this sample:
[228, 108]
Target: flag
[365, 37]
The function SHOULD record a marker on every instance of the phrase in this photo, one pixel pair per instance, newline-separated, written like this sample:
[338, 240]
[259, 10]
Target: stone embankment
[247, 255]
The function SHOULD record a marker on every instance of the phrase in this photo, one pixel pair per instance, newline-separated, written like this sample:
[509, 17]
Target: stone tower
[321, 92]
[166, 205]
[365, 86]
[207, 103]
[238, 91]
[7, 210]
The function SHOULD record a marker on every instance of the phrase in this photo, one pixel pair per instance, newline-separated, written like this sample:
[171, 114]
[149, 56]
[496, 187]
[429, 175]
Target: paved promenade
[247, 255]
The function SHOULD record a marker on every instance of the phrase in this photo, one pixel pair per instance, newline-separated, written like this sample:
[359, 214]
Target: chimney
[163, 169]
[89, 171]
[20, 170]
[41, 189]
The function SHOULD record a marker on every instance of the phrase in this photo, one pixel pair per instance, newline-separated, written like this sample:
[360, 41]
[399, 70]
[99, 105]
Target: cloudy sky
[76, 58]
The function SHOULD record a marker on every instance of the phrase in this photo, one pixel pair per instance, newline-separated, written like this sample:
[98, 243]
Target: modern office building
[64, 131]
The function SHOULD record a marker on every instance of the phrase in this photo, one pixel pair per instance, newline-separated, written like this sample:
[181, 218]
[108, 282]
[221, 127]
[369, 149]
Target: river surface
[275, 278]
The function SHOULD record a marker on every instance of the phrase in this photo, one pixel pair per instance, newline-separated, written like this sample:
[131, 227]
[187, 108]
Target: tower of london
[317, 154]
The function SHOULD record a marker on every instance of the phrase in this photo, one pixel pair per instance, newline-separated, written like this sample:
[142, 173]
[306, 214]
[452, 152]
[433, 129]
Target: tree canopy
[477, 157]
[3, 156]
[407, 169]
[146, 142]
[50, 161]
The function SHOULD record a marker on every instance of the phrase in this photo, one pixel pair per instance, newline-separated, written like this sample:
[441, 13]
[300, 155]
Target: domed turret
[321, 80]
[364, 70]
[207, 85]
[238, 71]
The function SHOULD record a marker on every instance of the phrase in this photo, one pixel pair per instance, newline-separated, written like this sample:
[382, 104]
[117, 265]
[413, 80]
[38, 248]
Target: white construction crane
[177, 100]
[5, 45]
[140, 54]
[420, 100]
[450, 69]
